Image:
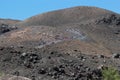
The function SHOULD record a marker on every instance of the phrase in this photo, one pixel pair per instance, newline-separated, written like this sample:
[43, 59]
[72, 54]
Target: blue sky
[22, 9]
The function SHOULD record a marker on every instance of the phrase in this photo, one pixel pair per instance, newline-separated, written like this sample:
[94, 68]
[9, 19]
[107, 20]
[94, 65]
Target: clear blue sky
[22, 9]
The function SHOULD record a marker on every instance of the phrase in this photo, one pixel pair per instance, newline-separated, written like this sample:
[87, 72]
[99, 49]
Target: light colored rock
[11, 77]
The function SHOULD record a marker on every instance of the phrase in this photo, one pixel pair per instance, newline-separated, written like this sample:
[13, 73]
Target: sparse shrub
[110, 74]
[1, 74]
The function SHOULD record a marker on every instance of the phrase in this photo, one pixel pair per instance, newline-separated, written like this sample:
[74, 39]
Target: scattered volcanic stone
[42, 71]
[116, 55]
[101, 56]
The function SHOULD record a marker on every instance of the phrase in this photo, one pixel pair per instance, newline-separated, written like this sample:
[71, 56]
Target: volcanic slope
[69, 44]
[89, 24]
[66, 16]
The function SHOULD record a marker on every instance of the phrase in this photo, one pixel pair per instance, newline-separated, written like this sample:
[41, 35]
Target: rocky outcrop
[6, 28]
[111, 19]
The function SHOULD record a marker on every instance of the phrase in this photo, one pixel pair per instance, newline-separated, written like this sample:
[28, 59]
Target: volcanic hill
[53, 45]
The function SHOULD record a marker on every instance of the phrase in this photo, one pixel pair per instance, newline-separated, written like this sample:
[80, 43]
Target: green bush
[1, 74]
[110, 74]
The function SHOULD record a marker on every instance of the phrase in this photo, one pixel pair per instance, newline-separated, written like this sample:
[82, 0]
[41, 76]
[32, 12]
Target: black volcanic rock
[63, 67]
[111, 19]
[6, 28]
